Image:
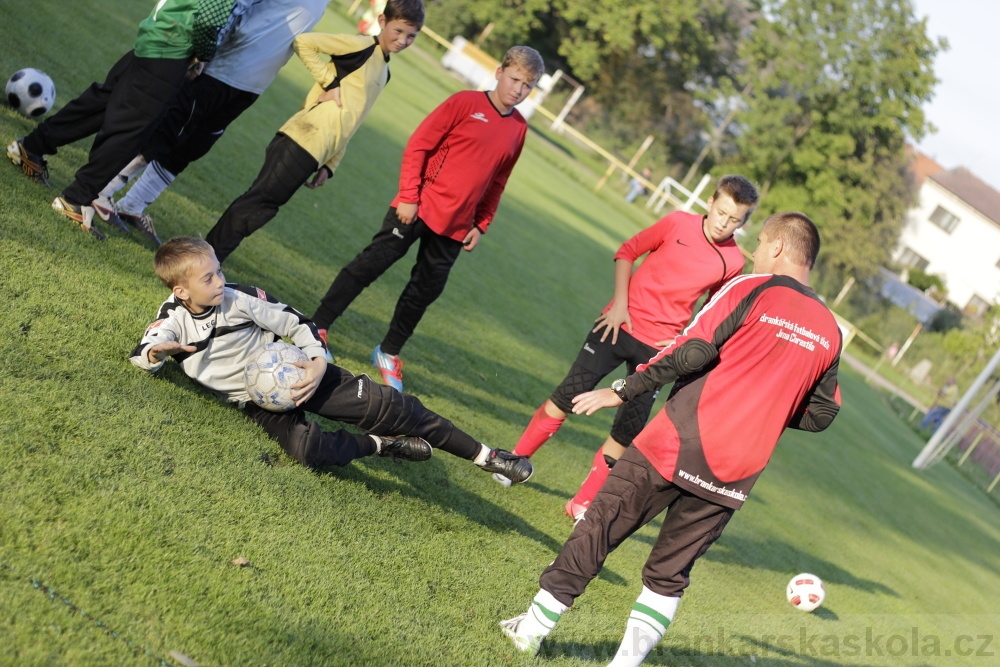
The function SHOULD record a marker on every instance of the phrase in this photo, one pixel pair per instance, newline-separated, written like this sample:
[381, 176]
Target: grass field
[124, 497]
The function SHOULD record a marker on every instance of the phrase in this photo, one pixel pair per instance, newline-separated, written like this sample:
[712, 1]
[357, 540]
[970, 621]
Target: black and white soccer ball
[271, 372]
[31, 92]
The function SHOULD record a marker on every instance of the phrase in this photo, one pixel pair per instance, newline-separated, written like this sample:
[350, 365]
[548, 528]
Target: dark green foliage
[924, 281]
[946, 319]
[650, 67]
[838, 89]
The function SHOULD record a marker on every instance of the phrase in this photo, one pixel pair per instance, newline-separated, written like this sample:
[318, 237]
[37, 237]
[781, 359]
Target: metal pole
[557, 123]
[968, 451]
[843, 292]
[968, 422]
[926, 454]
[906, 346]
[630, 165]
[993, 483]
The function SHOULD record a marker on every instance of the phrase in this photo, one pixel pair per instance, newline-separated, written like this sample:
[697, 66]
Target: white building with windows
[955, 233]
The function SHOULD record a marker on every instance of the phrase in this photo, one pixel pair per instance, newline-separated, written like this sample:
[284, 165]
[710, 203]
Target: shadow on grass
[541, 488]
[777, 557]
[780, 557]
[428, 483]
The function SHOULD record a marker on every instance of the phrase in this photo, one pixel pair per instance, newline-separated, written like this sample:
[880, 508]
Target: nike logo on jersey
[587, 347]
[479, 115]
[396, 232]
[683, 244]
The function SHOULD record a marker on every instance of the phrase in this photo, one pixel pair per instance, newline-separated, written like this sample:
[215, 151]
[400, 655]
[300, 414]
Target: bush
[923, 281]
[946, 319]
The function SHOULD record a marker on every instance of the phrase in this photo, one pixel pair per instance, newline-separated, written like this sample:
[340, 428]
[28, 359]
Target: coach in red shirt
[761, 356]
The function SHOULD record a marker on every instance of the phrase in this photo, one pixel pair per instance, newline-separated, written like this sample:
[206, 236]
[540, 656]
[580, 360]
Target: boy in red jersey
[454, 169]
[686, 256]
[760, 357]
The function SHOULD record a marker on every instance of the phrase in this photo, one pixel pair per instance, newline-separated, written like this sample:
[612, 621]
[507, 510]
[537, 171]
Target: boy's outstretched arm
[159, 352]
[160, 341]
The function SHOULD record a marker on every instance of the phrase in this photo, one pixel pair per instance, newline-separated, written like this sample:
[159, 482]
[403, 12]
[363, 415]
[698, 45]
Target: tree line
[814, 100]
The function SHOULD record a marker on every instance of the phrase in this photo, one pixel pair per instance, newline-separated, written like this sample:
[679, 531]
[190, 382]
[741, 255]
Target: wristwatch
[618, 386]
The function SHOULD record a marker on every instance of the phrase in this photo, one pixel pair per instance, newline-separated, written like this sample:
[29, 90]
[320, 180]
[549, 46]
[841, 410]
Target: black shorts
[595, 362]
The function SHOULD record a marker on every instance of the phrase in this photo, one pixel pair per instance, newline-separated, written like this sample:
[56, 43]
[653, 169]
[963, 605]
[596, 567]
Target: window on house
[912, 260]
[944, 219]
[977, 305]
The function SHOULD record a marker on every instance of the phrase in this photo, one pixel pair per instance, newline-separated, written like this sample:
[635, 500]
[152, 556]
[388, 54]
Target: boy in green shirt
[123, 110]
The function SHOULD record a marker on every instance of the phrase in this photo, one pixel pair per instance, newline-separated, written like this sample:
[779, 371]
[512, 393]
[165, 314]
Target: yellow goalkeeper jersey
[356, 65]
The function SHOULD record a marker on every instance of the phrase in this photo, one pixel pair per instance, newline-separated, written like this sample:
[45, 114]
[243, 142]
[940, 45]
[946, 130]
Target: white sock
[134, 167]
[542, 616]
[150, 185]
[483, 454]
[378, 443]
[650, 617]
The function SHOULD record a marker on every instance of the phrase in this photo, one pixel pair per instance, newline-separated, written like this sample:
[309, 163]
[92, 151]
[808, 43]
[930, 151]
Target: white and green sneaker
[524, 642]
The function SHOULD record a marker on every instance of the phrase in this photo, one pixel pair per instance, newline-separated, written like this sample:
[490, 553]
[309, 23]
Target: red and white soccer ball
[805, 592]
[31, 92]
[271, 372]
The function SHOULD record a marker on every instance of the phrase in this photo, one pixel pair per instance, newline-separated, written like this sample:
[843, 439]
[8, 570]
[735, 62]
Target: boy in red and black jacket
[684, 256]
[454, 169]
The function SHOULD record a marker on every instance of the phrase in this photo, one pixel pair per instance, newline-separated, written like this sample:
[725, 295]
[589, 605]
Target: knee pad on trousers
[305, 444]
[576, 382]
[389, 412]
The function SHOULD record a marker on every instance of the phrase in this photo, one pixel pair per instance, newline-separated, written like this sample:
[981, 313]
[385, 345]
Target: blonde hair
[174, 258]
[525, 58]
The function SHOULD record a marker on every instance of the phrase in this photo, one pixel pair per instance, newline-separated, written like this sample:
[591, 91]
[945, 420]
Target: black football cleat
[404, 447]
[516, 468]
[142, 222]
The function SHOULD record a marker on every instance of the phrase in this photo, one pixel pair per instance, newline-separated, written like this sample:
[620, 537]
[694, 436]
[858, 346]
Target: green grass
[127, 496]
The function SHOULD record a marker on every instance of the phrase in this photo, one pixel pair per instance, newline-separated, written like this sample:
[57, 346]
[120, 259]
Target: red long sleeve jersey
[761, 356]
[456, 163]
[681, 266]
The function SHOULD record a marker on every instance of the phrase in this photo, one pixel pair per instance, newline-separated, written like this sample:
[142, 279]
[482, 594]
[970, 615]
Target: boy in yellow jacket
[314, 140]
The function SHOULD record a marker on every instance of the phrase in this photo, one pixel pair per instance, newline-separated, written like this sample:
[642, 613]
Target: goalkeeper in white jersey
[214, 329]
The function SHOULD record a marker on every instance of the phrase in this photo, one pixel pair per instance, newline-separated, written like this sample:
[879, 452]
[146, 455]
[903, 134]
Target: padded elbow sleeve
[694, 355]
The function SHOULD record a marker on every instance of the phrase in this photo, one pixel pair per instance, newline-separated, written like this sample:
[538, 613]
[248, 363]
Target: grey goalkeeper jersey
[227, 337]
